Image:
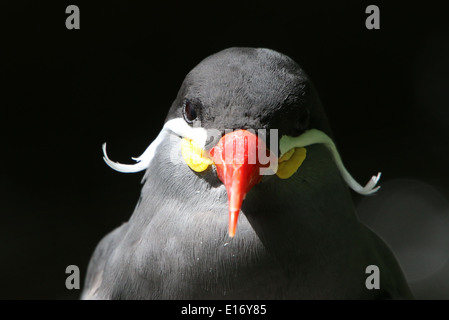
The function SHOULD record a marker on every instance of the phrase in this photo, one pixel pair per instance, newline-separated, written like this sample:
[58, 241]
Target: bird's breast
[192, 256]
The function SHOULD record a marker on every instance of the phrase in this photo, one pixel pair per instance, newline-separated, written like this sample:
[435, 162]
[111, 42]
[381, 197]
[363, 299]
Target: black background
[65, 92]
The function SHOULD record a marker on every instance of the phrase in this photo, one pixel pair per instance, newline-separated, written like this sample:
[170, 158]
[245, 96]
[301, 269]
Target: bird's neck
[311, 209]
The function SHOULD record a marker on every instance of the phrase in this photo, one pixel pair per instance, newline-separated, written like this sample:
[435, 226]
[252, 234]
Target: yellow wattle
[194, 155]
[289, 163]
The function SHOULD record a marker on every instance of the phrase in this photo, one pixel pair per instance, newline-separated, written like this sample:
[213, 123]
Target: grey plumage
[296, 238]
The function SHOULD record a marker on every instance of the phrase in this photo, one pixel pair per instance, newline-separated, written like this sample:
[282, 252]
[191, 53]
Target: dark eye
[189, 111]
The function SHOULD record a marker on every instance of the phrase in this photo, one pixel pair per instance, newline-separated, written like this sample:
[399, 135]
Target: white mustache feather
[177, 126]
[316, 136]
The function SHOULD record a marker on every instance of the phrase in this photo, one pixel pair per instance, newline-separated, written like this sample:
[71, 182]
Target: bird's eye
[189, 111]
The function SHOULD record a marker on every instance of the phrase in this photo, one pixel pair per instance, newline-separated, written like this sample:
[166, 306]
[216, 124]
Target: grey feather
[297, 238]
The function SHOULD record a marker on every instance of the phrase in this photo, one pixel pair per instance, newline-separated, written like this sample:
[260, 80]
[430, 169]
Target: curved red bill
[238, 167]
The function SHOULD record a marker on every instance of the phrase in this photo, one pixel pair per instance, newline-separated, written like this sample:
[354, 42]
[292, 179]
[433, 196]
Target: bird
[214, 221]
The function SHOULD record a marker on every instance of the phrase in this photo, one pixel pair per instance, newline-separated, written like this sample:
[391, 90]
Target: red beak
[236, 159]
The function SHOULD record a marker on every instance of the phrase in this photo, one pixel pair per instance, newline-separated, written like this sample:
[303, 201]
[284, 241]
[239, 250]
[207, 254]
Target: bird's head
[246, 113]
